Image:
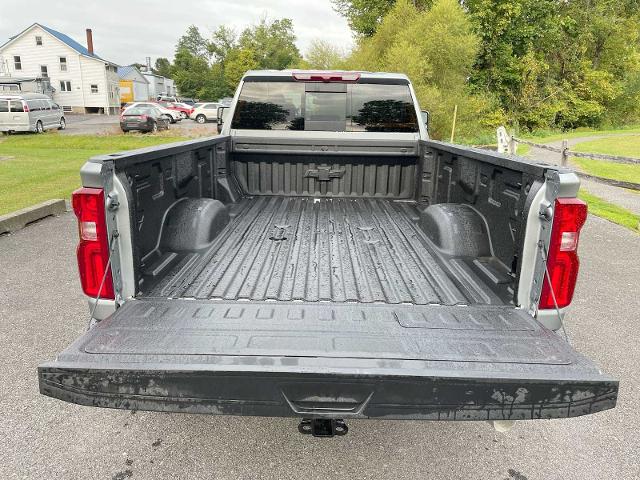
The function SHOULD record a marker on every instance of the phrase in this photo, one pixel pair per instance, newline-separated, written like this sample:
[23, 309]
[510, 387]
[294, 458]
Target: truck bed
[324, 249]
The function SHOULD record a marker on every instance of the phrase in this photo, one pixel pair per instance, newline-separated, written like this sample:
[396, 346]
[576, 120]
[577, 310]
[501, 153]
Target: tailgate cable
[114, 235]
[547, 275]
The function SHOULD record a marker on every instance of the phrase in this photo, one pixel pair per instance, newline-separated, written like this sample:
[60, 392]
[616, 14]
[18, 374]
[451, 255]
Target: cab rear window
[312, 106]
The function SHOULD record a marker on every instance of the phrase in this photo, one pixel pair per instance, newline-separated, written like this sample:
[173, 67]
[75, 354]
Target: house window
[39, 41]
[44, 71]
[63, 64]
[17, 63]
[65, 86]
[94, 88]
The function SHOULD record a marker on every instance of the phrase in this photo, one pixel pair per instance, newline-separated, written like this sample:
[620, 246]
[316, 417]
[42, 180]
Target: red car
[184, 109]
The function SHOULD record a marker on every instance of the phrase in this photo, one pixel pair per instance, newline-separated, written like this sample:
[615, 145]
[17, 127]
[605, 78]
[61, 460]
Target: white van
[29, 112]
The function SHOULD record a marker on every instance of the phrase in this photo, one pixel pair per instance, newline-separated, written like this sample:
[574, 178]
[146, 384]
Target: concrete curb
[16, 220]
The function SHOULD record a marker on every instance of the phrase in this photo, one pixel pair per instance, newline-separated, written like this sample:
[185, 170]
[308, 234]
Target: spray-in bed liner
[329, 249]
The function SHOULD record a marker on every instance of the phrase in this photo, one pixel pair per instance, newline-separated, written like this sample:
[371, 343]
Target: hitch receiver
[323, 427]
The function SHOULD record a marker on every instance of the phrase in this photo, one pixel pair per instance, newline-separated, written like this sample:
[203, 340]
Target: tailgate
[328, 360]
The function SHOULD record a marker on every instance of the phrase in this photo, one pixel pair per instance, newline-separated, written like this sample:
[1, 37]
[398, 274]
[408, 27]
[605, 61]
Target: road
[42, 310]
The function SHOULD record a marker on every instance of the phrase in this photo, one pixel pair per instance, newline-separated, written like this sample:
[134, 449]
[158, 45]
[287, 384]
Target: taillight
[93, 249]
[326, 76]
[143, 117]
[25, 107]
[562, 262]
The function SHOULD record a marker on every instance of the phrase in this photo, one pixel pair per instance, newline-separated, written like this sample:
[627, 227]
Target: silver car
[29, 112]
[205, 112]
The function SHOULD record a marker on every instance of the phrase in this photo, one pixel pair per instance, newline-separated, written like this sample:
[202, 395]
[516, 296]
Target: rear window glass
[4, 106]
[328, 107]
[138, 111]
[37, 105]
[16, 106]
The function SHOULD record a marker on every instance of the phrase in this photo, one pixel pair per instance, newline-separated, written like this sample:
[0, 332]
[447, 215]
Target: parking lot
[42, 310]
[109, 124]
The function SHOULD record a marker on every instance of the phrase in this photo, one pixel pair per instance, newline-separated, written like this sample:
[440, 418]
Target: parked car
[324, 259]
[30, 112]
[182, 108]
[207, 112]
[144, 119]
[166, 98]
[172, 115]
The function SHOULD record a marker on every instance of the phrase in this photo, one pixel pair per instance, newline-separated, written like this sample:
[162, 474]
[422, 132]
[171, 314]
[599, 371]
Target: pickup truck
[322, 258]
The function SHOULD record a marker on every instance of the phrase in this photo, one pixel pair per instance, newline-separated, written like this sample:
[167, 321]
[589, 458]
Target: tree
[556, 64]
[364, 16]
[272, 43]
[437, 49]
[322, 55]
[194, 43]
[237, 63]
[216, 86]
[223, 41]
[190, 73]
[540, 63]
[162, 67]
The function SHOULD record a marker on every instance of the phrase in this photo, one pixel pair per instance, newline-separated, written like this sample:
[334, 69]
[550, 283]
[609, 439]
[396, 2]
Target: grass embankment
[35, 168]
[611, 212]
[546, 136]
[627, 146]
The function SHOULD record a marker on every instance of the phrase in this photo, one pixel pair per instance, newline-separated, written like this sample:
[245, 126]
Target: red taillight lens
[93, 250]
[144, 117]
[25, 107]
[563, 263]
[326, 76]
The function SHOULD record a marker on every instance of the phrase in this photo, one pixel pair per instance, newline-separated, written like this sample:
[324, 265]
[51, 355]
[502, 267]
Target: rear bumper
[140, 128]
[258, 391]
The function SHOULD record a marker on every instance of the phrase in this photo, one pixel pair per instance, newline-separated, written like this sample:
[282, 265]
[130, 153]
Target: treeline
[210, 68]
[531, 64]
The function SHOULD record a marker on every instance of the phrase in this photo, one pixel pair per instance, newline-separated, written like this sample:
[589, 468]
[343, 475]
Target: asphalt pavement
[42, 311]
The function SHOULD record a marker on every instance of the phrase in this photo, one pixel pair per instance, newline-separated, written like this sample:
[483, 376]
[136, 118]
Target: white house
[82, 81]
[159, 85]
[134, 87]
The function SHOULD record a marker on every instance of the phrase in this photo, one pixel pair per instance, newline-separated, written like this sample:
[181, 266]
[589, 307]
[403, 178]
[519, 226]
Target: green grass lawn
[604, 169]
[611, 212]
[545, 136]
[627, 146]
[35, 168]
[623, 146]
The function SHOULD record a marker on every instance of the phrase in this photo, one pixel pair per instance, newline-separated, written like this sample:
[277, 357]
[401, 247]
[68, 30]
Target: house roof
[124, 72]
[66, 39]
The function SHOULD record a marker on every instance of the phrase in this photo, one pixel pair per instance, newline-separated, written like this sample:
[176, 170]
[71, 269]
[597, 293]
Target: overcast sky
[125, 32]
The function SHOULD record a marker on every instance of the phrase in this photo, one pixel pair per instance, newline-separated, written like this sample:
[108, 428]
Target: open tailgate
[328, 360]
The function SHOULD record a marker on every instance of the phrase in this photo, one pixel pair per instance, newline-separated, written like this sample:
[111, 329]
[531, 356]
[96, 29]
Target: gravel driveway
[110, 124]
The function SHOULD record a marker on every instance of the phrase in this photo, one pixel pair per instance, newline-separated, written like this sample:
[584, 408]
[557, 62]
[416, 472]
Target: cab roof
[362, 76]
